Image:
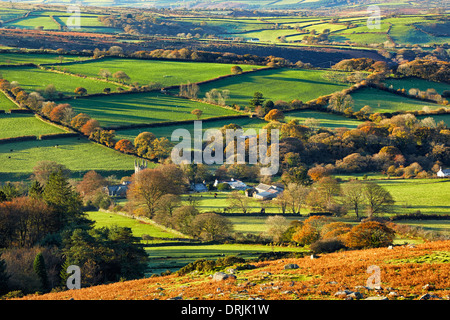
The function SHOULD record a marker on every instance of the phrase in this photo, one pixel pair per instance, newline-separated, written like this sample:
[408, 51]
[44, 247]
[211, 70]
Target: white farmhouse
[443, 173]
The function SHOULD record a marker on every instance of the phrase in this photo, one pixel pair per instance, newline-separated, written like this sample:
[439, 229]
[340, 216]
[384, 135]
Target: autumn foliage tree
[92, 182]
[274, 115]
[236, 69]
[62, 113]
[90, 126]
[24, 221]
[370, 234]
[79, 120]
[125, 146]
[81, 91]
[197, 112]
[311, 229]
[149, 185]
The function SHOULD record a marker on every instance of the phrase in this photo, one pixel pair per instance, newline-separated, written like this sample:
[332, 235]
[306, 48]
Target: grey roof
[199, 187]
[117, 190]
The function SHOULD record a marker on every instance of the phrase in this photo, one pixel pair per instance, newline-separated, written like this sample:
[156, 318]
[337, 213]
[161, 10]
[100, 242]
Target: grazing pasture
[139, 228]
[33, 22]
[33, 79]
[166, 131]
[382, 101]
[5, 103]
[77, 154]
[17, 125]
[37, 58]
[125, 109]
[326, 120]
[276, 84]
[167, 73]
[416, 83]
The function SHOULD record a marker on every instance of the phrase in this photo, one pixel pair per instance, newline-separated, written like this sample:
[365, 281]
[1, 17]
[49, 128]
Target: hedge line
[170, 123]
[21, 111]
[51, 136]
[20, 65]
[18, 139]
[420, 216]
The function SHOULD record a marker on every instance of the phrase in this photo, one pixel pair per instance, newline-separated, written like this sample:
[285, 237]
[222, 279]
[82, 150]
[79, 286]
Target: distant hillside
[240, 4]
[406, 272]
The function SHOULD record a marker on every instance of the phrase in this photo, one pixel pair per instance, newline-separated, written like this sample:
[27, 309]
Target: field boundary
[147, 220]
[171, 123]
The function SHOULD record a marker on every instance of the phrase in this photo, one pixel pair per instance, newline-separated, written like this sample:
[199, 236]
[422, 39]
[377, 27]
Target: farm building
[119, 191]
[443, 173]
[199, 187]
[267, 192]
[234, 184]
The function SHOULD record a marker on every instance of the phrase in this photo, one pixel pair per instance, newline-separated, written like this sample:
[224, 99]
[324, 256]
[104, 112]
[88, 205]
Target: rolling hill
[407, 272]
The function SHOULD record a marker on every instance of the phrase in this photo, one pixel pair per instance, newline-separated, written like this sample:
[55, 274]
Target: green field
[167, 73]
[276, 84]
[267, 36]
[326, 120]
[150, 107]
[80, 156]
[438, 118]
[33, 79]
[430, 196]
[166, 131]
[255, 225]
[17, 125]
[403, 32]
[37, 58]
[417, 83]
[206, 202]
[10, 13]
[5, 103]
[382, 101]
[32, 22]
[139, 228]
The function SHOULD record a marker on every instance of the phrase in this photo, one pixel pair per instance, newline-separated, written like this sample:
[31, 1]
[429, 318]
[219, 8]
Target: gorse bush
[204, 265]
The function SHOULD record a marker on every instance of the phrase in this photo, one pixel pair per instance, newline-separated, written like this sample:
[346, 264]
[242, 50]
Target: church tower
[139, 166]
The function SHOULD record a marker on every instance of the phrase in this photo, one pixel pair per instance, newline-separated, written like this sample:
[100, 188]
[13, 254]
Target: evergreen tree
[66, 202]
[257, 100]
[63, 275]
[35, 190]
[10, 191]
[41, 271]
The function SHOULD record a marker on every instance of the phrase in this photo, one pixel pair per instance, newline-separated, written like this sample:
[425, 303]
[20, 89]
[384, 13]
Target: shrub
[223, 186]
[236, 70]
[327, 246]
[229, 261]
[370, 234]
[335, 230]
[125, 146]
[306, 235]
[201, 265]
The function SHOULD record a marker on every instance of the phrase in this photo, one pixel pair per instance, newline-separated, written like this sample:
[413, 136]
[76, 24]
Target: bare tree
[378, 199]
[353, 195]
[239, 201]
[276, 227]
